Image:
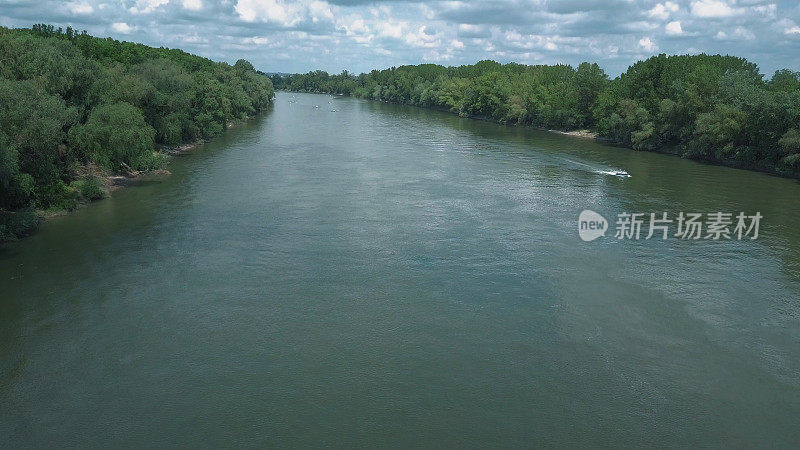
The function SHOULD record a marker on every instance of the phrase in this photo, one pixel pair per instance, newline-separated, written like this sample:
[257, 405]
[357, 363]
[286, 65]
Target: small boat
[618, 173]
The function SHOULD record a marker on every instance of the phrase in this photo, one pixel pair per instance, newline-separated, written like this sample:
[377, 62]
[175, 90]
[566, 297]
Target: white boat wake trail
[614, 172]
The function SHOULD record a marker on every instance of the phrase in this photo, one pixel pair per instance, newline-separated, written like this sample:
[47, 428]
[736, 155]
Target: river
[351, 273]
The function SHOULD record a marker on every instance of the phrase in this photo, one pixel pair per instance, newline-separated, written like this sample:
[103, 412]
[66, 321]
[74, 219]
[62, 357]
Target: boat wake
[613, 172]
[616, 173]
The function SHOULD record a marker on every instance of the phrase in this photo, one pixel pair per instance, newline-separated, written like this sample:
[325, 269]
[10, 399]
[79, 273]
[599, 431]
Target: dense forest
[74, 107]
[707, 107]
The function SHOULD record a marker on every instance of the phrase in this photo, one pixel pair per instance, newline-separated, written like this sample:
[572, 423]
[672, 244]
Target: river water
[386, 275]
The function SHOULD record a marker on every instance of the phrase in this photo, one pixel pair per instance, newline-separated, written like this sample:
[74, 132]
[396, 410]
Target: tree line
[73, 106]
[713, 108]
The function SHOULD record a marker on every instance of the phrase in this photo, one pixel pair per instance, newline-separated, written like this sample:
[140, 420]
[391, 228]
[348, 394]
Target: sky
[361, 35]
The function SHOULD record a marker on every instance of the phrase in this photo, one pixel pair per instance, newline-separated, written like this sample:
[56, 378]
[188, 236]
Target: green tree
[114, 135]
[790, 149]
[718, 133]
[32, 123]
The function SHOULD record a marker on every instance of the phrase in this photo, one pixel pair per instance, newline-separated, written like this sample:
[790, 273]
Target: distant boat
[617, 173]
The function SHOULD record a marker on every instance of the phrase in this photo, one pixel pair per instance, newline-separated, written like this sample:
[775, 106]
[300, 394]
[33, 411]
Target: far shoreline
[586, 134]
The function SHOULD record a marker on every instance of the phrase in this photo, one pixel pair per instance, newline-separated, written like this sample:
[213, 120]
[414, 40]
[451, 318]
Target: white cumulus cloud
[674, 28]
[663, 10]
[712, 9]
[270, 11]
[79, 8]
[647, 44]
[122, 27]
[389, 29]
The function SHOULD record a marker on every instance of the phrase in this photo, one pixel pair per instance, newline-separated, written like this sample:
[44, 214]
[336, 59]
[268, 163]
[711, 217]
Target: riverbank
[113, 181]
[19, 224]
[595, 135]
[58, 142]
[585, 134]
[657, 105]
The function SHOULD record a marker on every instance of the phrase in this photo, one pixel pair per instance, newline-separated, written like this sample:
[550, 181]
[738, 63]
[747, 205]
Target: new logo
[591, 225]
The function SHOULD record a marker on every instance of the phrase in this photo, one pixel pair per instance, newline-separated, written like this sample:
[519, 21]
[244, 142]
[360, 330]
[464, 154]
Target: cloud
[360, 35]
[147, 6]
[737, 34]
[122, 27]
[390, 30]
[674, 28]
[422, 37]
[712, 9]
[286, 14]
[270, 11]
[647, 44]
[467, 30]
[80, 8]
[789, 26]
[663, 10]
[194, 5]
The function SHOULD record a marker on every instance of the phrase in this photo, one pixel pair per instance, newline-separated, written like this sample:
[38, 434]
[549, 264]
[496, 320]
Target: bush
[56, 195]
[16, 191]
[151, 161]
[90, 188]
[17, 224]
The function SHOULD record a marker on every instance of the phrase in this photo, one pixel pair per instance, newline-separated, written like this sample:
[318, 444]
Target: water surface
[385, 275]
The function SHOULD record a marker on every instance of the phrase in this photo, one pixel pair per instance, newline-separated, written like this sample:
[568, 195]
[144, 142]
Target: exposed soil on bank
[586, 134]
[111, 182]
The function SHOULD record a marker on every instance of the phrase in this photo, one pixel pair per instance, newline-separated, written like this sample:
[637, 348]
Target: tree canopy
[707, 107]
[70, 100]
